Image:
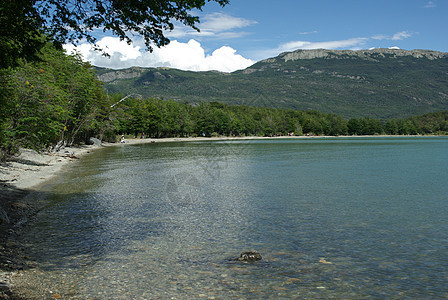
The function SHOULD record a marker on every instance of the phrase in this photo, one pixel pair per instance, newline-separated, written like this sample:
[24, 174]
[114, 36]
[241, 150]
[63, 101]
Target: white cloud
[308, 32]
[217, 25]
[294, 45]
[352, 44]
[430, 4]
[184, 56]
[219, 22]
[380, 37]
[334, 44]
[397, 36]
[401, 35]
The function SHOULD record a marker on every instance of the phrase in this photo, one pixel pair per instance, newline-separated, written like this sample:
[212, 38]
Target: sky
[247, 31]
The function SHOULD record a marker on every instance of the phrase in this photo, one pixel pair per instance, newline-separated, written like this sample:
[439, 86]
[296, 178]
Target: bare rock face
[121, 74]
[371, 54]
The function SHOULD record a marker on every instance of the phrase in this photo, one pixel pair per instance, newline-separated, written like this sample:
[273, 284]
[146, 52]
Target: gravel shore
[21, 177]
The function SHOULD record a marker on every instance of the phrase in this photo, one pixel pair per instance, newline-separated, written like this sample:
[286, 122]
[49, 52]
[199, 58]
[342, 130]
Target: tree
[338, 125]
[370, 126]
[20, 35]
[392, 126]
[54, 100]
[23, 22]
[354, 127]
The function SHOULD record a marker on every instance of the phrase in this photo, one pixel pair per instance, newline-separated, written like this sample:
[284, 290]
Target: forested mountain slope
[379, 83]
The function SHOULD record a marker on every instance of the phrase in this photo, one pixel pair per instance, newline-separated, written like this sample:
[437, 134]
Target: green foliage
[431, 123]
[159, 118]
[381, 87]
[20, 35]
[23, 22]
[55, 100]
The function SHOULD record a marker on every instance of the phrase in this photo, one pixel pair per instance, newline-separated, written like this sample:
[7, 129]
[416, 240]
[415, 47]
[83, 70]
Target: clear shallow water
[332, 218]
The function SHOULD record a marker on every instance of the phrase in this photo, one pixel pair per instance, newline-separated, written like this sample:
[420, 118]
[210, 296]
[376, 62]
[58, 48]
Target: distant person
[143, 135]
[122, 138]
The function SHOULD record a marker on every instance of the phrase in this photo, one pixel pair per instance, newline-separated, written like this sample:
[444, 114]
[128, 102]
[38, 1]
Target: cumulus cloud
[185, 56]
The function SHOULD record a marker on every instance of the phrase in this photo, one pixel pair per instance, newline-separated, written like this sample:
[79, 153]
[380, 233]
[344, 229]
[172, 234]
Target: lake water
[356, 218]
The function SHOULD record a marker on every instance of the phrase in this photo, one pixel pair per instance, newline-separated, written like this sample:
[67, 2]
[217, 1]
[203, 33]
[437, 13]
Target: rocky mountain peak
[372, 54]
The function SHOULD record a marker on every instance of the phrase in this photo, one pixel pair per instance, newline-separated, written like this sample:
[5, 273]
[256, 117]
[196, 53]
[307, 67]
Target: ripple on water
[337, 219]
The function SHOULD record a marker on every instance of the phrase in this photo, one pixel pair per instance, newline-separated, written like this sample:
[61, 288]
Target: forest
[363, 84]
[57, 100]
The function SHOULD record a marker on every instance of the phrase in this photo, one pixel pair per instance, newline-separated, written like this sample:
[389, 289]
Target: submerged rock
[249, 256]
[3, 216]
[4, 286]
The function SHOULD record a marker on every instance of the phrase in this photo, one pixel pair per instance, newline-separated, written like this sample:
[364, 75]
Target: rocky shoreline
[20, 178]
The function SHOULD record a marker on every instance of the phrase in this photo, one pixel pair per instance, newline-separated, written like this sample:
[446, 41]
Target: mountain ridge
[381, 83]
[366, 54]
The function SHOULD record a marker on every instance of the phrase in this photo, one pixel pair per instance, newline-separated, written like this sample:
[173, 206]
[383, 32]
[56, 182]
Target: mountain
[380, 83]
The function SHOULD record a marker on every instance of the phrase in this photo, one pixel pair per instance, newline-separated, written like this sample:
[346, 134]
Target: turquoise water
[356, 218]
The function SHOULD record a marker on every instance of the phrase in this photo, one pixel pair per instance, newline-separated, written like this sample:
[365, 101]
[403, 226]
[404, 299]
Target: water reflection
[341, 219]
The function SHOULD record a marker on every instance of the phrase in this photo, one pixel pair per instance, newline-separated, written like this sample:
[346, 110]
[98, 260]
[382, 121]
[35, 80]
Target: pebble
[4, 286]
[291, 280]
[324, 261]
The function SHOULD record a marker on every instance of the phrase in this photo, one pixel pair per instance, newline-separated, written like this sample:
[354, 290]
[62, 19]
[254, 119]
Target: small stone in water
[291, 280]
[324, 261]
[249, 256]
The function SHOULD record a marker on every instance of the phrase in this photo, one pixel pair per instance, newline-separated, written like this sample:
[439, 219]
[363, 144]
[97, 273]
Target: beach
[20, 176]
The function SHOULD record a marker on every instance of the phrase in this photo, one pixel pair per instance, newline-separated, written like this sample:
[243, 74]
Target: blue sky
[247, 31]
